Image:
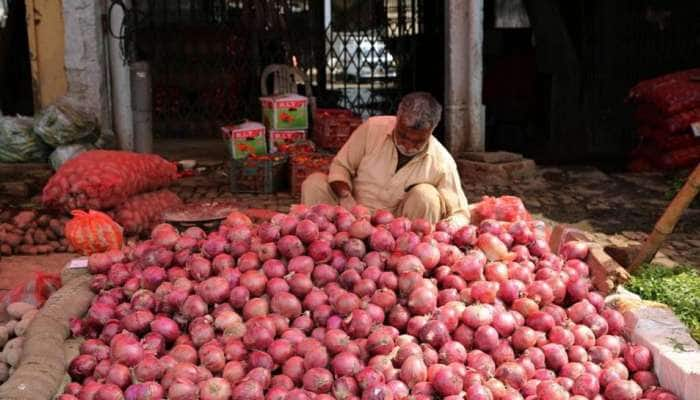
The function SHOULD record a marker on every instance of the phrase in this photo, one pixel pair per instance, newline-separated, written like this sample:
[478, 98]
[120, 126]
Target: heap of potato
[11, 336]
[30, 232]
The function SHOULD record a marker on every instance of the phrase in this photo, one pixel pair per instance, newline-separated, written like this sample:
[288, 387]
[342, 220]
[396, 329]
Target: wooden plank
[33, 52]
[45, 31]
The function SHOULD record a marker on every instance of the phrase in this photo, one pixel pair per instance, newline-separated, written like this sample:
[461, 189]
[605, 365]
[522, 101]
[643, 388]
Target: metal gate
[206, 56]
[370, 52]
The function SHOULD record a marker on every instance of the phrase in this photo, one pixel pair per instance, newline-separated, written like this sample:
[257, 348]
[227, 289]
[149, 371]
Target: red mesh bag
[93, 232]
[35, 291]
[504, 208]
[102, 179]
[143, 212]
[648, 115]
[684, 157]
[670, 94]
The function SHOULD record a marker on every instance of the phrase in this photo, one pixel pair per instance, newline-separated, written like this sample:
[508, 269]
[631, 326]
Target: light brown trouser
[421, 201]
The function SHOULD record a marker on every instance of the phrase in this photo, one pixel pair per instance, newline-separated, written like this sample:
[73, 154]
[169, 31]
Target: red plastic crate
[304, 165]
[333, 127]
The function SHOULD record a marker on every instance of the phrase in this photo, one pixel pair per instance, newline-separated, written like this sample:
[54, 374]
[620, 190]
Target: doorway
[15, 71]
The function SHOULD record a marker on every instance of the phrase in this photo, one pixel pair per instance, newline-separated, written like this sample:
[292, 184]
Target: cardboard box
[245, 139]
[275, 138]
[287, 111]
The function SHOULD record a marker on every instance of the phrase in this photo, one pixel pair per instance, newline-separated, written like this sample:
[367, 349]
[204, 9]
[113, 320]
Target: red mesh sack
[648, 115]
[685, 157]
[504, 208]
[93, 232]
[645, 89]
[103, 179]
[143, 212]
[35, 291]
[670, 94]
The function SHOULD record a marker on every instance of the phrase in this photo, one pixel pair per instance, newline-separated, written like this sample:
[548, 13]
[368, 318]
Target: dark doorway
[16, 95]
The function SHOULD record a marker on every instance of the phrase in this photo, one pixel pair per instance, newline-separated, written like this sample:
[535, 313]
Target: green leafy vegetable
[679, 288]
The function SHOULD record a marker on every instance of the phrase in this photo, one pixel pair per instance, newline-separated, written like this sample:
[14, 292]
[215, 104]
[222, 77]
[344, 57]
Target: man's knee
[424, 194]
[315, 189]
[315, 181]
[423, 201]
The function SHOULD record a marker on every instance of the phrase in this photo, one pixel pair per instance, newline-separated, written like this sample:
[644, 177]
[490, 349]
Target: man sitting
[395, 163]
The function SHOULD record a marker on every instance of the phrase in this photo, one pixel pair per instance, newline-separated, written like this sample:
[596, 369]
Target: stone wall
[86, 55]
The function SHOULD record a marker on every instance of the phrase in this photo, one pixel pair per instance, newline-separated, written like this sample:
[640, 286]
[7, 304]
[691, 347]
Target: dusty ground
[618, 208]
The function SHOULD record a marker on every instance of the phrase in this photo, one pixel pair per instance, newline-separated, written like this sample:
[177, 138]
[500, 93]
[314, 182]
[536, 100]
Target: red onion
[318, 380]
[540, 321]
[446, 382]
[623, 390]
[586, 385]
[637, 358]
[290, 246]
[615, 320]
[481, 362]
[82, 366]
[453, 351]
[126, 349]
[574, 250]
[645, 379]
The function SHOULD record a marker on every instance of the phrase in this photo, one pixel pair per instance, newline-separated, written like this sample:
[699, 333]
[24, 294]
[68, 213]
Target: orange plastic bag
[93, 232]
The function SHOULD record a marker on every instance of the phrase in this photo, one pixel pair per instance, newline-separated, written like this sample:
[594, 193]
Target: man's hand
[342, 190]
[348, 202]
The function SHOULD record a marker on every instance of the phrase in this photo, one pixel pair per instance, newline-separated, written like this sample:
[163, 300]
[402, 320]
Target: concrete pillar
[464, 37]
[120, 83]
[85, 57]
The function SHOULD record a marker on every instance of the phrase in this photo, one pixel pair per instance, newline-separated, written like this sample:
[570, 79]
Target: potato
[51, 236]
[4, 336]
[40, 237]
[43, 221]
[28, 239]
[28, 249]
[56, 227]
[13, 239]
[13, 351]
[5, 249]
[10, 325]
[18, 309]
[24, 218]
[4, 372]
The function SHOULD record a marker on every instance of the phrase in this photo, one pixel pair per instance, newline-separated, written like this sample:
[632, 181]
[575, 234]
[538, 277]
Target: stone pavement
[618, 208]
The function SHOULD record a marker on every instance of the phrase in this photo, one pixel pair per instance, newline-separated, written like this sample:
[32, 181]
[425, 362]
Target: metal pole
[121, 82]
[142, 107]
[463, 75]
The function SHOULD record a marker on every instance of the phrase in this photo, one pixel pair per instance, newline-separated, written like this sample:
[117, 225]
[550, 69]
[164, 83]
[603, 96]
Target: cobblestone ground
[619, 209]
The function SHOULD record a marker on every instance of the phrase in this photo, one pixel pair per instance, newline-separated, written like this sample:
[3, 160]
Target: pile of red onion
[323, 303]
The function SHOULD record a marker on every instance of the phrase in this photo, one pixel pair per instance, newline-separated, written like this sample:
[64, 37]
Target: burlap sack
[42, 367]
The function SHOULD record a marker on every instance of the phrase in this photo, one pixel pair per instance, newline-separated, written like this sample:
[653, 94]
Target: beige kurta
[367, 162]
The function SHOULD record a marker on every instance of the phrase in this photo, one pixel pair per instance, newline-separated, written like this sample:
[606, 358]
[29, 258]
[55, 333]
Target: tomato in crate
[306, 164]
[333, 127]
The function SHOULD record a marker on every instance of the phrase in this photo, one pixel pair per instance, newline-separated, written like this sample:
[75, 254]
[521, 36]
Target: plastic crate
[260, 174]
[303, 165]
[333, 127]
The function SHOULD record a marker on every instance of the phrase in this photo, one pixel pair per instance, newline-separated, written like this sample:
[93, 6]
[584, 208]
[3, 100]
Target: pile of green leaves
[679, 288]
